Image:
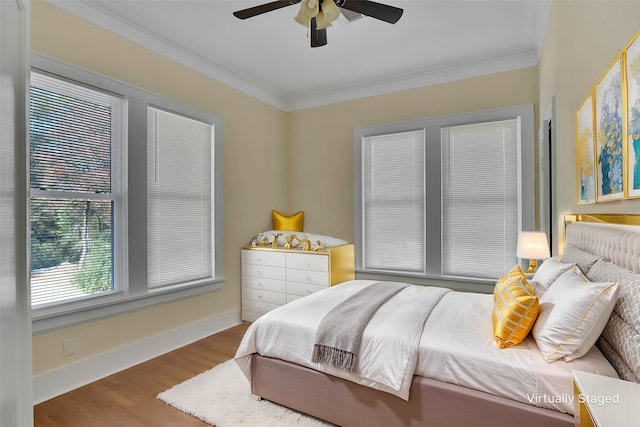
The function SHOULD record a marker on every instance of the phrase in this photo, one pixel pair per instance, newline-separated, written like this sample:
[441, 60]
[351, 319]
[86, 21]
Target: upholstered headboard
[612, 253]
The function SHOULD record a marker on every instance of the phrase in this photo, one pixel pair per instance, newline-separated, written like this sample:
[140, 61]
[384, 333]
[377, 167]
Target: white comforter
[454, 345]
[457, 347]
[389, 350]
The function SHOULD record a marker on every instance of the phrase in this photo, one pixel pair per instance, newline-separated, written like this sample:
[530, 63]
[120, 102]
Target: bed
[450, 379]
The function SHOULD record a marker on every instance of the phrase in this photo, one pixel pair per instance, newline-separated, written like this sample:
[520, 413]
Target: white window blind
[76, 139]
[179, 200]
[394, 202]
[480, 198]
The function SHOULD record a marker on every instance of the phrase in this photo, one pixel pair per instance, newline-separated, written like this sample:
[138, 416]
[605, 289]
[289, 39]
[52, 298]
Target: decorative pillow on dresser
[293, 222]
[620, 340]
[326, 241]
[573, 313]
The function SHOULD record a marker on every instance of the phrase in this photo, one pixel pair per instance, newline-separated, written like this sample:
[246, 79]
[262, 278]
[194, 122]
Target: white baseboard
[59, 381]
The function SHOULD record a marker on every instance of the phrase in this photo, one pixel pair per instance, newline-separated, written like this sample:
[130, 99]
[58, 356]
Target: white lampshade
[533, 245]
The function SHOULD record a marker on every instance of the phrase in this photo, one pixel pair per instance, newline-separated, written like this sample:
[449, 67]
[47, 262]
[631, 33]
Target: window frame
[432, 127]
[118, 185]
[135, 293]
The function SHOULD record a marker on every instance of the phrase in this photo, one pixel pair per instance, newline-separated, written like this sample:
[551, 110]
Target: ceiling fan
[319, 14]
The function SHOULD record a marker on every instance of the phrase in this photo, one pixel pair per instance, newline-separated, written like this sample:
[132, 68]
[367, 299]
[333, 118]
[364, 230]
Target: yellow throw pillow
[514, 313]
[515, 273]
[289, 223]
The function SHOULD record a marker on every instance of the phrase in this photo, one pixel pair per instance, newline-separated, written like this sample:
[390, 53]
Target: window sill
[49, 319]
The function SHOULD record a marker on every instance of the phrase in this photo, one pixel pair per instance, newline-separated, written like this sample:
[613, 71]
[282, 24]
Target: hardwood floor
[128, 398]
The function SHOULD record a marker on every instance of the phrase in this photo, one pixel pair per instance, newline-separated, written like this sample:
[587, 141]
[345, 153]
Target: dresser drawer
[264, 296]
[273, 277]
[257, 306]
[308, 276]
[263, 283]
[264, 271]
[274, 259]
[308, 262]
[250, 316]
[303, 289]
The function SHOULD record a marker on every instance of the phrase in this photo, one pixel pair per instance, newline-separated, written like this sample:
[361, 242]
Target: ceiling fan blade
[351, 16]
[318, 37]
[263, 8]
[383, 12]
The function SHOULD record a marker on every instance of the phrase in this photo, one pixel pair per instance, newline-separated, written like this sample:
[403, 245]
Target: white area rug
[221, 397]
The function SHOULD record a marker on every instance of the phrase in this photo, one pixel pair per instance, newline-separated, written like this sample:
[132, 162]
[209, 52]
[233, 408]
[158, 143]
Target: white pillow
[326, 241]
[573, 313]
[547, 273]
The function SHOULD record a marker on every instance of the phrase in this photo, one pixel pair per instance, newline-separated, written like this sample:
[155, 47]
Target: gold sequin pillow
[514, 312]
[517, 273]
[288, 223]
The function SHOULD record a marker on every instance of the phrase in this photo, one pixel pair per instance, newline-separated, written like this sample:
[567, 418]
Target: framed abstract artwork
[585, 158]
[632, 68]
[610, 135]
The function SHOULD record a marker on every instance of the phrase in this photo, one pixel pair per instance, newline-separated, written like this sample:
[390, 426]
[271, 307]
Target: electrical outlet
[68, 347]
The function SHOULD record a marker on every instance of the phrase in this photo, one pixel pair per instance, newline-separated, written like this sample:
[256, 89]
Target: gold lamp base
[533, 264]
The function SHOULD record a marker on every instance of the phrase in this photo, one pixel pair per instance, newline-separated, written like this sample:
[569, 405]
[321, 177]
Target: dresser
[272, 277]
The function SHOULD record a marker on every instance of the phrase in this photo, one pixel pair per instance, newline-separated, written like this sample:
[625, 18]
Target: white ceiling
[269, 57]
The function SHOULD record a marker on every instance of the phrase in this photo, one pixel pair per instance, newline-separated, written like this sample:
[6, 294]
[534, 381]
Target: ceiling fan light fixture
[329, 12]
[317, 15]
[308, 10]
[322, 21]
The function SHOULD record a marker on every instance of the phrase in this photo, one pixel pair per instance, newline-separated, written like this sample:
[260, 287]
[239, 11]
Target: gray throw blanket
[339, 334]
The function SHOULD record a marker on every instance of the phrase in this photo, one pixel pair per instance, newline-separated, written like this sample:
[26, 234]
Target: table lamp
[532, 245]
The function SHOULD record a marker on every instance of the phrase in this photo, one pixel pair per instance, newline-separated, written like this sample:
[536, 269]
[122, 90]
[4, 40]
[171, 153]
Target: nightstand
[605, 402]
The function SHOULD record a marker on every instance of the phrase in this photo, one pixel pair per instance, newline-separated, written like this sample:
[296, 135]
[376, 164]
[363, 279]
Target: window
[480, 182]
[76, 190]
[179, 202]
[444, 198]
[394, 209]
[126, 193]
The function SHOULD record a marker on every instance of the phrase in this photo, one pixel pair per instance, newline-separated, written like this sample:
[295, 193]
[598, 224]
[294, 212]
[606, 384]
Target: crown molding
[97, 15]
[501, 64]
